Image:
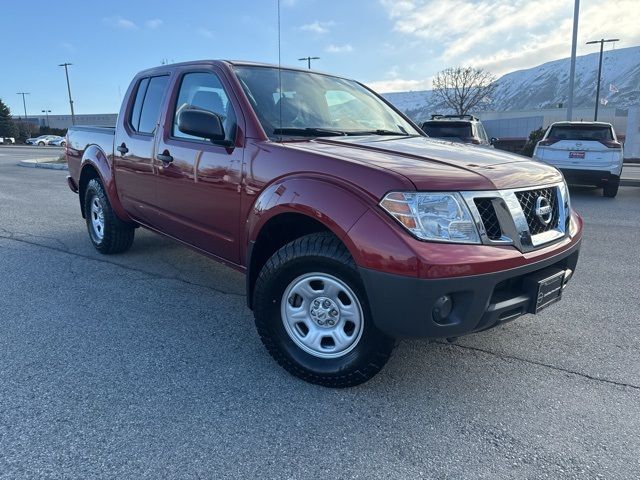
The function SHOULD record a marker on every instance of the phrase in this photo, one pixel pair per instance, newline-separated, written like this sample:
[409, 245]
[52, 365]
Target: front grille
[528, 201]
[489, 218]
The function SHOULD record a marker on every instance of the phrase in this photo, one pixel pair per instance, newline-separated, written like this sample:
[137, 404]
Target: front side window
[203, 91]
[314, 104]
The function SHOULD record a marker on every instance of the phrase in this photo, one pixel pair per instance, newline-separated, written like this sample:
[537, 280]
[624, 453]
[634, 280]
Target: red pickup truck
[352, 226]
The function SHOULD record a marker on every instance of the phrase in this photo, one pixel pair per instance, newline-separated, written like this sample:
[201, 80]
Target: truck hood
[437, 164]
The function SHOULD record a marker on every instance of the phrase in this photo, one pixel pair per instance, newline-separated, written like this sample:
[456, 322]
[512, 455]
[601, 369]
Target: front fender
[335, 206]
[94, 158]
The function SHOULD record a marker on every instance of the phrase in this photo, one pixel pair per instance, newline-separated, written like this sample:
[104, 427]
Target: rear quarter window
[146, 107]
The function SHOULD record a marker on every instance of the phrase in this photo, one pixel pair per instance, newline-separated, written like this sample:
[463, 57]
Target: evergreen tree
[7, 126]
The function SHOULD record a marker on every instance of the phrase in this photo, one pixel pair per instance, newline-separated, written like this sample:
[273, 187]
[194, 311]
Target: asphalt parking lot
[147, 365]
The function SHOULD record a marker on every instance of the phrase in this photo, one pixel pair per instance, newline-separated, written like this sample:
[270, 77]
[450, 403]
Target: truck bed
[79, 138]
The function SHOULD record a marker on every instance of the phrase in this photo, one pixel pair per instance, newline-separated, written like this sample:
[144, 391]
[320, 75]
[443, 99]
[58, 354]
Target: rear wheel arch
[88, 173]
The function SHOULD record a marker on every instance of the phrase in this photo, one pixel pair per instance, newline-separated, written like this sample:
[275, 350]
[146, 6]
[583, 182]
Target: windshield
[312, 104]
[448, 129]
[581, 132]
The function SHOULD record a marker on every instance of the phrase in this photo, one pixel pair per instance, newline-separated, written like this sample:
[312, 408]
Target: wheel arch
[95, 164]
[295, 207]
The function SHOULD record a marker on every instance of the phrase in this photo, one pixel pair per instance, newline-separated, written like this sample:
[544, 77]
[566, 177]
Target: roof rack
[437, 116]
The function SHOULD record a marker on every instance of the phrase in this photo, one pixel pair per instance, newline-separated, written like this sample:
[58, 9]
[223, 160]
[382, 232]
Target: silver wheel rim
[322, 315]
[97, 218]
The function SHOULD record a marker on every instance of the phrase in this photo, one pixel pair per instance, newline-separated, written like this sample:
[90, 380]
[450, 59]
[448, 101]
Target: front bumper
[597, 178]
[403, 306]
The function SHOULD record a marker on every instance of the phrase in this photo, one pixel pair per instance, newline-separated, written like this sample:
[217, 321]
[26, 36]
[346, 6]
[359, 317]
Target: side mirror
[493, 140]
[204, 124]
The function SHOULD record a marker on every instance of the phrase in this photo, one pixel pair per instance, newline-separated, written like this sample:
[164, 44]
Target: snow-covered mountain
[547, 85]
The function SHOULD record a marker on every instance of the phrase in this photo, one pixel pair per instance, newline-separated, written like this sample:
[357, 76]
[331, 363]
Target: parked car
[587, 153]
[352, 227]
[58, 142]
[7, 140]
[42, 140]
[458, 128]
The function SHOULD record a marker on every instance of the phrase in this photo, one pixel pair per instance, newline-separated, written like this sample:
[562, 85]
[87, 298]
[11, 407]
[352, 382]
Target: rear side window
[146, 108]
[580, 132]
[152, 102]
[134, 120]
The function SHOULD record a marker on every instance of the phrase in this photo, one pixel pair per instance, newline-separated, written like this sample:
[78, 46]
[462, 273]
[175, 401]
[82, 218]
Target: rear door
[199, 182]
[134, 148]
[578, 147]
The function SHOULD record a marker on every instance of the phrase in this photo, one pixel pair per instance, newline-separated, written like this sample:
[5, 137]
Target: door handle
[122, 149]
[165, 157]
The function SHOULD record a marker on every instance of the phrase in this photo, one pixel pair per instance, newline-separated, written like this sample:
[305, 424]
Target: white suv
[587, 153]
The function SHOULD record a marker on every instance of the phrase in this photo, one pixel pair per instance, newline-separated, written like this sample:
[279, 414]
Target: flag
[613, 88]
[604, 101]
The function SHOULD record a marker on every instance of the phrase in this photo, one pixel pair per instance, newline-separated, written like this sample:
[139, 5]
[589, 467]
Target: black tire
[322, 253]
[41, 144]
[117, 236]
[610, 189]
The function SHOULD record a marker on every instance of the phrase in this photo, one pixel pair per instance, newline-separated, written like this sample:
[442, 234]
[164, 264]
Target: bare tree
[464, 88]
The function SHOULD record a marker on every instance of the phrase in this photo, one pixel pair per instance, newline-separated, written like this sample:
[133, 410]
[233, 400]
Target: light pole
[24, 103]
[308, 60]
[572, 70]
[602, 41]
[66, 71]
[47, 112]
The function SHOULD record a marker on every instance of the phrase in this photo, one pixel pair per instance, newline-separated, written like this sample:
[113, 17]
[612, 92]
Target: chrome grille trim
[511, 217]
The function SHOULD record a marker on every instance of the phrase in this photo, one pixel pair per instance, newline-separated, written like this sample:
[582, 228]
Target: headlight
[439, 216]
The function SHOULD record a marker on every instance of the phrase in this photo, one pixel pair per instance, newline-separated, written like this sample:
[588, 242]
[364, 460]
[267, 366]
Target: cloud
[153, 23]
[69, 47]
[398, 85]
[346, 48]
[119, 22]
[317, 27]
[503, 35]
[203, 32]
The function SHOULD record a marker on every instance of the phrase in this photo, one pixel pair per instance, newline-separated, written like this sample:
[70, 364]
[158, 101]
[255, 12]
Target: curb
[47, 165]
[629, 182]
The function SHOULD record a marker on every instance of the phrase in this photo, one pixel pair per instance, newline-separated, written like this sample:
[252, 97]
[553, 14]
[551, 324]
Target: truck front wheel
[312, 314]
[107, 232]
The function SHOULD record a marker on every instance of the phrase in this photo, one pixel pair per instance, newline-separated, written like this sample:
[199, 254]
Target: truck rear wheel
[312, 314]
[107, 232]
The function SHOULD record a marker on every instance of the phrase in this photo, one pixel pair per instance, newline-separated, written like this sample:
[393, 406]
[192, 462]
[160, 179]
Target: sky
[392, 45]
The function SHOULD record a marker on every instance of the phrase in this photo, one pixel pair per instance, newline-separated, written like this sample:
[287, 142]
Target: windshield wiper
[309, 132]
[382, 132]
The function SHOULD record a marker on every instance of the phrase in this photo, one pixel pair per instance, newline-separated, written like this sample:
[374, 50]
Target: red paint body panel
[217, 199]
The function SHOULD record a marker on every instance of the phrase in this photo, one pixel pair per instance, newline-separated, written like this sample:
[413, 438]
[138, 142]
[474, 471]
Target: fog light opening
[442, 309]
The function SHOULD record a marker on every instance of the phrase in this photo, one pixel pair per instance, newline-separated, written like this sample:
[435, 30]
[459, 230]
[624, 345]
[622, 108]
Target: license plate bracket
[545, 288]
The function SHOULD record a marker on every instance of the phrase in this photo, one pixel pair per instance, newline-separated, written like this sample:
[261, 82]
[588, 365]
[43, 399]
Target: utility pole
[308, 60]
[47, 112]
[602, 41]
[572, 71]
[24, 103]
[66, 71]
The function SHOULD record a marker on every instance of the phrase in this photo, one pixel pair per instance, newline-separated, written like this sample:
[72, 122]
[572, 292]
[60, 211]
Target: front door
[198, 186]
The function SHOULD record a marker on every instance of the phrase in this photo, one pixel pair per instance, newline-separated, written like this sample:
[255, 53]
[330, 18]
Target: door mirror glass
[201, 123]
